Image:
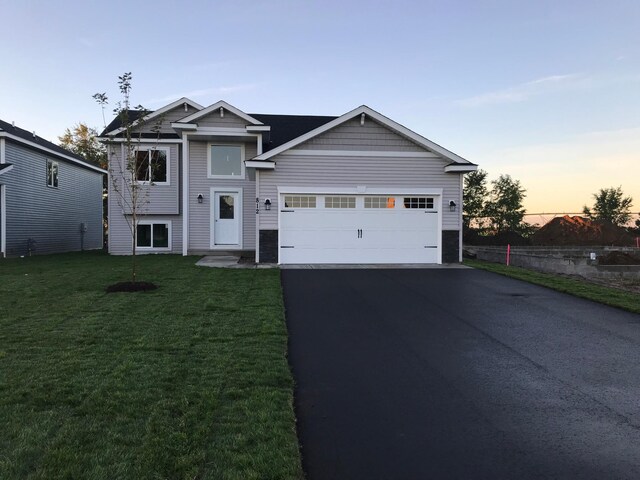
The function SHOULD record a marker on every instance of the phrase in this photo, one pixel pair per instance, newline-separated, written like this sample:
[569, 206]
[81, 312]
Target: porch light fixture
[452, 206]
[267, 204]
[200, 198]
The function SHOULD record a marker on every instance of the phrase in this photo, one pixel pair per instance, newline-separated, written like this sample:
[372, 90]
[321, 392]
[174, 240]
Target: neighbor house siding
[154, 199]
[200, 213]
[50, 216]
[351, 135]
[372, 172]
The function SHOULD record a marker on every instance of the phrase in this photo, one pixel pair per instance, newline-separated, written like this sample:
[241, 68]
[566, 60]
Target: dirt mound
[619, 258]
[581, 231]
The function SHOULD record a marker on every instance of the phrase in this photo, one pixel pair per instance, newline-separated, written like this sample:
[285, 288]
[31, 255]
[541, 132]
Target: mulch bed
[131, 287]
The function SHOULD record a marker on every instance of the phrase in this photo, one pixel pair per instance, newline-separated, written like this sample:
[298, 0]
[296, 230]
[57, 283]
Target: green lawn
[189, 381]
[609, 296]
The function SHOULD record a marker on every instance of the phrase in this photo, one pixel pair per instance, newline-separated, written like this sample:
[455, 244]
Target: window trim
[55, 182]
[167, 152]
[243, 172]
[152, 223]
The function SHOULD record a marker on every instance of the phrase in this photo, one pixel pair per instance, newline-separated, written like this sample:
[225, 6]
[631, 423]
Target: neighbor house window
[299, 201]
[340, 202]
[226, 161]
[52, 173]
[152, 235]
[379, 202]
[152, 165]
[418, 202]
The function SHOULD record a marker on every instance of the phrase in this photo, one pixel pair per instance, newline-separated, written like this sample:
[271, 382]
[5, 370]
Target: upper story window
[226, 161]
[52, 173]
[152, 165]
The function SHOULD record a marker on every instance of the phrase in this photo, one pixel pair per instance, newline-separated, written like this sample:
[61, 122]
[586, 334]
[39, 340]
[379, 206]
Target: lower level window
[152, 235]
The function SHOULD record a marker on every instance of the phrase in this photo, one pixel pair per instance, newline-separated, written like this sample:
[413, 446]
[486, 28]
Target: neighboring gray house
[50, 198]
[359, 188]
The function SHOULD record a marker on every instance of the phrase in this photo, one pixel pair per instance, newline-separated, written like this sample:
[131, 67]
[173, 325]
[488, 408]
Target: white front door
[227, 216]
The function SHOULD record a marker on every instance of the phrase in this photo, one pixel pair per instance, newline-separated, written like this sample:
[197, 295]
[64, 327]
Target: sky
[546, 91]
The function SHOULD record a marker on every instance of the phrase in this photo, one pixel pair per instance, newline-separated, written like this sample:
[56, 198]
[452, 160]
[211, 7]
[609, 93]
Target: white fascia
[460, 168]
[260, 165]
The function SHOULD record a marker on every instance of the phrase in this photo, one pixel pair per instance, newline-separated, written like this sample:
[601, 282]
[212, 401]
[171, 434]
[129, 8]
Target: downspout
[3, 206]
[460, 224]
[257, 215]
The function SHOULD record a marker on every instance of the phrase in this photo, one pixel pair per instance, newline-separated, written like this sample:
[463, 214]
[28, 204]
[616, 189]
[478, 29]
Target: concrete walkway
[229, 261]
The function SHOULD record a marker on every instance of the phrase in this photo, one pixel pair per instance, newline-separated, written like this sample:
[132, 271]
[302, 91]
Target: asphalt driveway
[438, 374]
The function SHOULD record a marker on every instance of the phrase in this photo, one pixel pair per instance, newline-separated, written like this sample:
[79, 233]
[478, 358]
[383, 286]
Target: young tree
[610, 205]
[504, 207]
[474, 197]
[132, 175]
[83, 140]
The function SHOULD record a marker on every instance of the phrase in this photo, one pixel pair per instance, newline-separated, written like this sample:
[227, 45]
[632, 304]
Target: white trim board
[360, 190]
[260, 165]
[358, 153]
[185, 195]
[460, 168]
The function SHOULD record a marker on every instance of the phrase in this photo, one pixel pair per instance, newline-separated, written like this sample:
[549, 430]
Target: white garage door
[359, 229]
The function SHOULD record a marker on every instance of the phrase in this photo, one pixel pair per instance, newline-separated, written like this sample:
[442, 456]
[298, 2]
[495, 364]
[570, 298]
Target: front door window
[226, 207]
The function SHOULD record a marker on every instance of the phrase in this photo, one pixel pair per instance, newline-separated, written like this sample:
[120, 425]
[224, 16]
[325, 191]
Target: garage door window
[299, 201]
[340, 202]
[379, 202]
[418, 202]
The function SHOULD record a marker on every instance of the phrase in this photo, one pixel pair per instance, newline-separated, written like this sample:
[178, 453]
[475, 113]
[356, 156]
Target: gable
[166, 118]
[228, 119]
[368, 136]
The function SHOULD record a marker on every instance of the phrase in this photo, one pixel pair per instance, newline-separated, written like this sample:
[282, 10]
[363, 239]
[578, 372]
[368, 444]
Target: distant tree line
[496, 208]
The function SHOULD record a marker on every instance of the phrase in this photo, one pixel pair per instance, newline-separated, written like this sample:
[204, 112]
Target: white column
[185, 194]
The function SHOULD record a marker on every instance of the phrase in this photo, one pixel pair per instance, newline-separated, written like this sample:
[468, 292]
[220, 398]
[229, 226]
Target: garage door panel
[359, 235]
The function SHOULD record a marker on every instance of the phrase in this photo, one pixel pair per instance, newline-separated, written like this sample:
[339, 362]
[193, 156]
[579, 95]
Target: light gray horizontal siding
[375, 172]
[200, 213]
[154, 199]
[121, 241]
[229, 120]
[165, 120]
[50, 216]
[352, 136]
